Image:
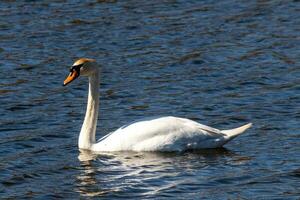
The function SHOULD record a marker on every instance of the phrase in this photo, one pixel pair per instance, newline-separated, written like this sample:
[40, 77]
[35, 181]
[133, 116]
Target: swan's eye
[76, 68]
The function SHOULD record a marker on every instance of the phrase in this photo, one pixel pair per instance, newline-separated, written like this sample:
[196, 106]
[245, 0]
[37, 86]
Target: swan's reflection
[144, 172]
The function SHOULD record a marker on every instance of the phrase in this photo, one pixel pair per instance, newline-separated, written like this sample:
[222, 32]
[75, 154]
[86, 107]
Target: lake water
[221, 63]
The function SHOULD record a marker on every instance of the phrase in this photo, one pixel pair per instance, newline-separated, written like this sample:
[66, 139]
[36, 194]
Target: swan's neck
[88, 129]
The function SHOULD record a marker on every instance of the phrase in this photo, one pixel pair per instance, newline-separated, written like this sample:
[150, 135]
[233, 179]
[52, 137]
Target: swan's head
[83, 67]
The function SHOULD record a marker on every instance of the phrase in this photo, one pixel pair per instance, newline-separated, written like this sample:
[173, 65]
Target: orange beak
[72, 76]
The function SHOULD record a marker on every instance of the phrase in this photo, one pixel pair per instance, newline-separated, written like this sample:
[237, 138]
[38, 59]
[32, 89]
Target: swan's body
[163, 134]
[152, 134]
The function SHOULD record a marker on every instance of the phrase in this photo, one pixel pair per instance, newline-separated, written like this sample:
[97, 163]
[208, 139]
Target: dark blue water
[221, 63]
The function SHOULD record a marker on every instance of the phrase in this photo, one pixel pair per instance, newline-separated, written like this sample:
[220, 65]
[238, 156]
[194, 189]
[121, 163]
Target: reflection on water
[87, 182]
[118, 172]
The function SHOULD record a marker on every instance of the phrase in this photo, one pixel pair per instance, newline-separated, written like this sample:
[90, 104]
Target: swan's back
[161, 134]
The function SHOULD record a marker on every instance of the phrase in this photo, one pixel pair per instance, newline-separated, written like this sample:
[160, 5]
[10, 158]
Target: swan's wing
[163, 133]
[210, 130]
[136, 122]
[172, 121]
[161, 125]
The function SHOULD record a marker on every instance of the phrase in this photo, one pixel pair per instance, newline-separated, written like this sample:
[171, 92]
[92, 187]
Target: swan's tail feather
[232, 133]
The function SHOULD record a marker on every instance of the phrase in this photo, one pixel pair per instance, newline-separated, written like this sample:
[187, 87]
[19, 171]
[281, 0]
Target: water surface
[223, 64]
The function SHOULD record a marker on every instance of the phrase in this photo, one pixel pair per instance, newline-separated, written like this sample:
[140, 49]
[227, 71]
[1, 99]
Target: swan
[150, 134]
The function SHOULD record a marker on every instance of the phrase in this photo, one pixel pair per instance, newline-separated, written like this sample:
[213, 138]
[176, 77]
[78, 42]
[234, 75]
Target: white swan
[152, 134]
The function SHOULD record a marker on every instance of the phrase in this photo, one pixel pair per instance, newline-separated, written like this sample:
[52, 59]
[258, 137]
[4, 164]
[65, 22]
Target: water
[220, 63]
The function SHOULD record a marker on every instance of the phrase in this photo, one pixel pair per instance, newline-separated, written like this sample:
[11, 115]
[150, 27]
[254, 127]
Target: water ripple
[220, 63]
